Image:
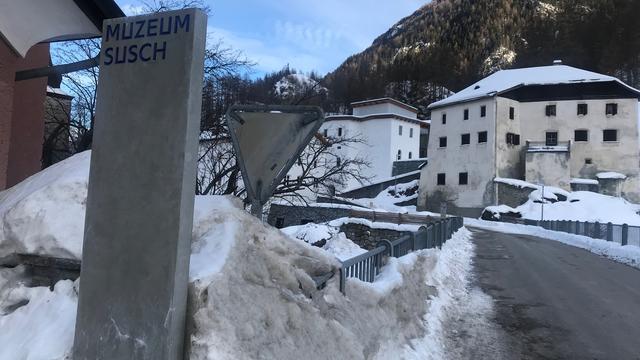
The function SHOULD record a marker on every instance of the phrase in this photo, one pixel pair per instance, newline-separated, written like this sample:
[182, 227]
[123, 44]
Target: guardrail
[621, 234]
[367, 266]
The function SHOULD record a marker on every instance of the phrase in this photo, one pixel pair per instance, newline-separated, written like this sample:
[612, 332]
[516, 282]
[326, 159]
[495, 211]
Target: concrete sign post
[135, 261]
[268, 140]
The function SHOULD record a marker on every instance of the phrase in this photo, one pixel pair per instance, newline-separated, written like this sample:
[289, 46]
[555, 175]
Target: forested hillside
[447, 44]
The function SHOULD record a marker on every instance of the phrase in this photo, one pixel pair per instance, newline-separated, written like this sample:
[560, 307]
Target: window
[410, 155]
[443, 142]
[610, 135]
[581, 135]
[512, 113]
[463, 178]
[588, 161]
[466, 114]
[550, 110]
[612, 109]
[583, 109]
[279, 223]
[482, 137]
[339, 131]
[411, 132]
[483, 111]
[400, 130]
[465, 139]
[399, 156]
[551, 138]
[441, 179]
[444, 119]
[326, 133]
[513, 139]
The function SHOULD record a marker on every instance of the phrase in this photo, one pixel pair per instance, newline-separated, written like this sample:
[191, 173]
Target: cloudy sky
[307, 35]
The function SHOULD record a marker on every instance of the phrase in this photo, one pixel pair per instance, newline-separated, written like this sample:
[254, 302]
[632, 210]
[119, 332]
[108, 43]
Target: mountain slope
[448, 44]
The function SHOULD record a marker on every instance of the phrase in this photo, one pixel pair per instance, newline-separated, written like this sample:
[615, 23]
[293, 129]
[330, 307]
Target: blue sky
[307, 35]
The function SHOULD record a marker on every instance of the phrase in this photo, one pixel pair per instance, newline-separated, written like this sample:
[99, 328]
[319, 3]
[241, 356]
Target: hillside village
[466, 187]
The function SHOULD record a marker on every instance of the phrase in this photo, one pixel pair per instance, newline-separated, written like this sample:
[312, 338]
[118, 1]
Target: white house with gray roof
[555, 125]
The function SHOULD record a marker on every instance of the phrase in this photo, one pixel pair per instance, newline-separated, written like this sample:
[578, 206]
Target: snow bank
[584, 206]
[310, 233]
[388, 198]
[251, 291]
[628, 254]
[44, 214]
[375, 225]
[36, 323]
[342, 248]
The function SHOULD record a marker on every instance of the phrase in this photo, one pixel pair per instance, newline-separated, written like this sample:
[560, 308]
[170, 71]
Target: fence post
[625, 234]
[609, 231]
[596, 231]
[343, 280]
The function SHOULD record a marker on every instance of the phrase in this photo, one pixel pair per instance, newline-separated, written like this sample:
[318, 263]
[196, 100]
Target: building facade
[553, 125]
[388, 130]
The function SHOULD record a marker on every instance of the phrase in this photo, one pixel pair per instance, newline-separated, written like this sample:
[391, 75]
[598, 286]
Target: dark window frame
[441, 179]
[411, 132]
[551, 138]
[480, 137]
[463, 178]
[584, 138]
[610, 131]
[444, 118]
[399, 130]
[339, 131]
[440, 142]
[465, 115]
[611, 109]
[582, 109]
[483, 111]
[464, 137]
[550, 110]
[512, 113]
[513, 139]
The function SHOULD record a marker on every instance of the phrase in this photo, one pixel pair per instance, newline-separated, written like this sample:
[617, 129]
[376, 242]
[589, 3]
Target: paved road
[553, 301]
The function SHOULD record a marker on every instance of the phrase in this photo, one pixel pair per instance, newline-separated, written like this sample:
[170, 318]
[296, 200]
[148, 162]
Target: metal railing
[367, 266]
[621, 234]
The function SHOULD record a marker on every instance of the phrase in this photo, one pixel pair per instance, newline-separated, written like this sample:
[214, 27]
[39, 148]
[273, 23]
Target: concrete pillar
[135, 261]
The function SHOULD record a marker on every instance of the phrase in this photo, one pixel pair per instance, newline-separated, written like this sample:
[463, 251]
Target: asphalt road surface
[553, 301]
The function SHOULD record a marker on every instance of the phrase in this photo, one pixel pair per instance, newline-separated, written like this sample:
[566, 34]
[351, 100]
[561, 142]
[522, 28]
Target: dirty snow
[252, 293]
[342, 248]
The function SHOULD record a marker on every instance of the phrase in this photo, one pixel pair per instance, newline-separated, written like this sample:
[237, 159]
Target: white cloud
[131, 10]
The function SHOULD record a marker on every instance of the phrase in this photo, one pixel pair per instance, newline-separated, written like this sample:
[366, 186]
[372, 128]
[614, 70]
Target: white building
[390, 131]
[552, 124]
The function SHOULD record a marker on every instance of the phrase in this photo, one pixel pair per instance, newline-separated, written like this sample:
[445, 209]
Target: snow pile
[37, 323]
[375, 224]
[583, 206]
[628, 254]
[342, 248]
[388, 198]
[44, 214]
[310, 233]
[550, 192]
[252, 292]
[584, 181]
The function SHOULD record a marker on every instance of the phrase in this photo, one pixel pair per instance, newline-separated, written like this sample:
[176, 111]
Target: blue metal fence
[367, 266]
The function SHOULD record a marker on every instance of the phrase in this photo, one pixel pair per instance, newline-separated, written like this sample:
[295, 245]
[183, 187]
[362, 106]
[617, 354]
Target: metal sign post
[267, 141]
[135, 257]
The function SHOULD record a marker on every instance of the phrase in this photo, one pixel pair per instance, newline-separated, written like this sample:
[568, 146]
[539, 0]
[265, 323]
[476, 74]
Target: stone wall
[367, 237]
[512, 196]
[284, 215]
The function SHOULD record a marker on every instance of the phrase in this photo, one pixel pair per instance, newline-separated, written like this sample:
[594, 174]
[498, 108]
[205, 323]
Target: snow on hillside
[251, 292]
[394, 194]
[296, 85]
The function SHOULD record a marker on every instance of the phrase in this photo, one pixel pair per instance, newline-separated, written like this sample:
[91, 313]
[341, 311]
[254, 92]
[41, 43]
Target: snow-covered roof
[385, 100]
[611, 175]
[505, 80]
[584, 181]
[388, 116]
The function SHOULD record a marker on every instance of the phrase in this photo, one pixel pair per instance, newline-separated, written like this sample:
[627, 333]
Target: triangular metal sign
[268, 140]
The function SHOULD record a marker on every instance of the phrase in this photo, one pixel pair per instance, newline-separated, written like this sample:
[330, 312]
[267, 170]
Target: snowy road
[554, 301]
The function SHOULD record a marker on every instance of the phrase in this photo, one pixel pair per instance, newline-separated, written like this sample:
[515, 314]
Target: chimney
[557, 62]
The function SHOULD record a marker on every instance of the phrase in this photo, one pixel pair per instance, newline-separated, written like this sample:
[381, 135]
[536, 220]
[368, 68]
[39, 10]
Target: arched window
[399, 155]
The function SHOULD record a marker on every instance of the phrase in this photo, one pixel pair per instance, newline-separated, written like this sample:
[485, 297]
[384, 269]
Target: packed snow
[628, 254]
[251, 292]
[394, 194]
